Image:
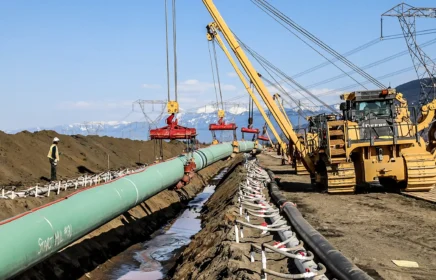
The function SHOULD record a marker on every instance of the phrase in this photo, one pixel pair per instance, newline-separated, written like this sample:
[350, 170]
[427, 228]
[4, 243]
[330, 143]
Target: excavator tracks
[341, 178]
[421, 171]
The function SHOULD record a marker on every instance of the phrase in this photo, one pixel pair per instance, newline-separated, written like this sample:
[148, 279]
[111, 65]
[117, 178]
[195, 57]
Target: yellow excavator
[211, 36]
[213, 33]
[376, 139]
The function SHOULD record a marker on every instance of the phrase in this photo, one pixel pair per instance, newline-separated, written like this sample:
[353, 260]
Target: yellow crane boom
[220, 25]
[211, 35]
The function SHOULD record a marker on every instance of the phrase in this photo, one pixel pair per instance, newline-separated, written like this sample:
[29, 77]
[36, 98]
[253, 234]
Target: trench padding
[27, 240]
[337, 264]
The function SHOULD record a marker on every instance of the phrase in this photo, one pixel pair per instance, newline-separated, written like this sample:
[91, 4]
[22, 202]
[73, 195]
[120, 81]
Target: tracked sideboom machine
[212, 35]
[376, 141]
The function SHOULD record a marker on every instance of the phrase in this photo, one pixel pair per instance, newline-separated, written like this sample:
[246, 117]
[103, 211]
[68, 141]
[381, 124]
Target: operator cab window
[374, 109]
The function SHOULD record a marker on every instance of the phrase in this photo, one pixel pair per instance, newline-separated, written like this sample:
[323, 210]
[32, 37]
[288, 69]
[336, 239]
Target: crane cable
[370, 65]
[361, 48]
[329, 61]
[250, 107]
[388, 75]
[167, 51]
[213, 74]
[217, 74]
[277, 85]
[263, 61]
[175, 47]
[278, 14]
[173, 14]
[326, 63]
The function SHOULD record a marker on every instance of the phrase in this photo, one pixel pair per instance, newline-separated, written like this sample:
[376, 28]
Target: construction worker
[53, 156]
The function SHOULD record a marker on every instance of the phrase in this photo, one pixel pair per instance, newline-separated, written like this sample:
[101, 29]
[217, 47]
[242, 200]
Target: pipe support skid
[30, 238]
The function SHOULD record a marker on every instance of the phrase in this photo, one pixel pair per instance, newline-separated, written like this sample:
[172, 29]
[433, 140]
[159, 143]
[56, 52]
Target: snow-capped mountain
[199, 120]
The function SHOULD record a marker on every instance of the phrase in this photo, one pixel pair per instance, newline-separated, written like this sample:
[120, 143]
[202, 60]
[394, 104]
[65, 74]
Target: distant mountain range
[139, 130]
[201, 121]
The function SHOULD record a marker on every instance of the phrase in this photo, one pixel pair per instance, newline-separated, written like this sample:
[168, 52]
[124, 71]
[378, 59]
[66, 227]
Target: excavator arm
[220, 25]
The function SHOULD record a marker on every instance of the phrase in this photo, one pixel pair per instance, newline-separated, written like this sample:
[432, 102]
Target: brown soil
[371, 229]
[90, 256]
[213, 252]
[23, 156]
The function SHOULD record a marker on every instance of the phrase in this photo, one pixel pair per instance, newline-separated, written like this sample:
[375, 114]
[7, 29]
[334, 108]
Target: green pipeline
[29, 239]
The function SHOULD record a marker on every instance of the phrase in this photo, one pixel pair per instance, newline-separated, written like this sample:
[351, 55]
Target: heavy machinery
[376, 139]
[293, 154]
[213, 30]
[375, 142]
[211, 36]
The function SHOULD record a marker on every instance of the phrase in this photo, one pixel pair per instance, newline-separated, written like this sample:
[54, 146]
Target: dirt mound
[23, 156]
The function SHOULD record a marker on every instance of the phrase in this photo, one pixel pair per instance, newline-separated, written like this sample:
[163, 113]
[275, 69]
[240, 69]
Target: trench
[118, 241]
[154, 258]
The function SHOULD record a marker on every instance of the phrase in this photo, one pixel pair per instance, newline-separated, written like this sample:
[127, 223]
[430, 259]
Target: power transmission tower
[152, 110]
[93, 128]
[424, 66]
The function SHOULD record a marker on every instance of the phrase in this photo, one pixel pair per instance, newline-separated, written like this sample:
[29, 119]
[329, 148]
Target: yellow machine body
[390, 150]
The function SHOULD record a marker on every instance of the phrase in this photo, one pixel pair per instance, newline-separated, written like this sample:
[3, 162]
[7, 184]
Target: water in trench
[157, 256]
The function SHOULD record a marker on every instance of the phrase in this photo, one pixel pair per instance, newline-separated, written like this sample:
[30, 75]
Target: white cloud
[151, 86]
[236, 110]
[193, 86]
[207, 109]
[232, 74]
[94, 105]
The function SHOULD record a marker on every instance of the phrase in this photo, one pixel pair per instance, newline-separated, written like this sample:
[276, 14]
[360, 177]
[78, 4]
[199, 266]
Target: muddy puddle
[158, 255]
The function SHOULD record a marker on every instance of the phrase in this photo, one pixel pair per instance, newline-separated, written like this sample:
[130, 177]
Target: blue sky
[75, 61]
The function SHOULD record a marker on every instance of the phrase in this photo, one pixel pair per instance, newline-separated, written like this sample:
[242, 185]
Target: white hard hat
[56, 139]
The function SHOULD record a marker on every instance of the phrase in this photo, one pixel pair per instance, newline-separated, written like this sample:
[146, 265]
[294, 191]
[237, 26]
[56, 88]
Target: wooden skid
[428, 196]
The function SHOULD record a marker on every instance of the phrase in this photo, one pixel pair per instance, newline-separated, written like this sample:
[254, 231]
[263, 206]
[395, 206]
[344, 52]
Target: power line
[263, 61]
[388, 75]
[276, 14]
[368, 66]
[361, 48]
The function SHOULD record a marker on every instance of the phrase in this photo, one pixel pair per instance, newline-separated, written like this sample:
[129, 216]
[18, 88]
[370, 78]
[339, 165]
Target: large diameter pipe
[29, 239]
